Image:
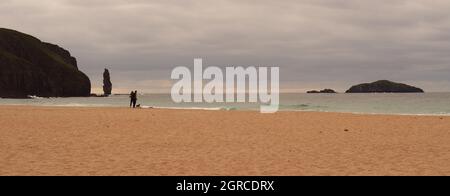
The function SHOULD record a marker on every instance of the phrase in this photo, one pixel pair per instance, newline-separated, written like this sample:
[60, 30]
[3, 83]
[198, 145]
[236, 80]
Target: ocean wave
[188, 108]
[78, 105]
[35, 97]
[294, 106]
[302, 106]
[369, 113]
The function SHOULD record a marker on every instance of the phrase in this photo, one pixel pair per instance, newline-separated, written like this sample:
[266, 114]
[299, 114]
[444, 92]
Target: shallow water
[380, 103]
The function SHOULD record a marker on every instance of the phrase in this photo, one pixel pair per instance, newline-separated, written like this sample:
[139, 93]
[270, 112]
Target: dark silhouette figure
[133, 99]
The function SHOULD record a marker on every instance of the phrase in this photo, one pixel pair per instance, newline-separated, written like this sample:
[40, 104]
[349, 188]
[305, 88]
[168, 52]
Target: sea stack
[107, 85]
[29, 66]
[384, 86]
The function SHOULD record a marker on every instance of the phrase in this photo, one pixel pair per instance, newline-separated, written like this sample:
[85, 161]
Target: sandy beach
[123, 141]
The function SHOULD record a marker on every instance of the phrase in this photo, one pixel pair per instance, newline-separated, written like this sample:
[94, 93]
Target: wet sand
[123, 141]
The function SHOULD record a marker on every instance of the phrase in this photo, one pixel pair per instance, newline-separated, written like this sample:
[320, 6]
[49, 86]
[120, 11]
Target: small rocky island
[322, 91]
[29, 66]
[384, 86]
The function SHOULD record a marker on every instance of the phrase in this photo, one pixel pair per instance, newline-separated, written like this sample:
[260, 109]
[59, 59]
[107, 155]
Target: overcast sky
[316, 43]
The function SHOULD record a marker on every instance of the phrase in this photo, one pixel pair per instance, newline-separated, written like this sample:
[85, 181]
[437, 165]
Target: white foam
[34, 97]
[367, 113]
[78, 105]
[183, 108]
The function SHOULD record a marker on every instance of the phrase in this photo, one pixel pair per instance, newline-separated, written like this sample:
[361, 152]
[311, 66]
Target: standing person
[132, 97]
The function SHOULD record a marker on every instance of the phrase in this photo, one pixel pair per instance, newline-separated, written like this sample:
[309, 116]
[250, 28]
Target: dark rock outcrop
[322, 91]
[31, 67]
[384, 86]
[107, 85]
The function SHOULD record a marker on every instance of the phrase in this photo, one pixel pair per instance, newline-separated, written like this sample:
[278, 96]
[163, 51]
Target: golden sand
[123, 141]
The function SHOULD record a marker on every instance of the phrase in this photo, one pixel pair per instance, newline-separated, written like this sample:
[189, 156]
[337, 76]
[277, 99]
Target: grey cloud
[315, 42]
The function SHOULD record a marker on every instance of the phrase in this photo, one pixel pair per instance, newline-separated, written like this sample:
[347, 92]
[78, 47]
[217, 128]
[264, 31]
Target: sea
[370, 103]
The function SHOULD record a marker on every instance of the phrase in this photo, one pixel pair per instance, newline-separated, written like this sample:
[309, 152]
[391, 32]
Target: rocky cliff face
[384, 86]
[31, 67]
